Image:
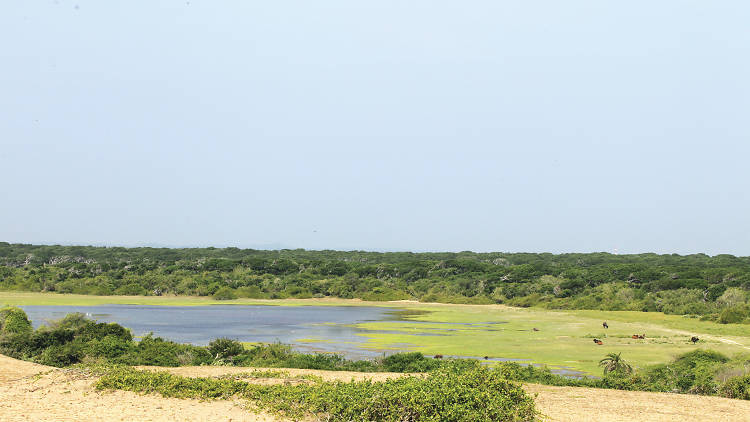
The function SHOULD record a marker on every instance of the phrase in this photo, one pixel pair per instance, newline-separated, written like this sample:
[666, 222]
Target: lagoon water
[332, 327]
[268, 324]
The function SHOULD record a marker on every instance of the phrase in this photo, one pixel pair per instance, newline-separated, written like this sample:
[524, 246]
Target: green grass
[564, 338]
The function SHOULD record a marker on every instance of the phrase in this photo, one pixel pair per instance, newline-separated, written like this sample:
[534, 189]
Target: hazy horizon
[272, 247]
[421, 126]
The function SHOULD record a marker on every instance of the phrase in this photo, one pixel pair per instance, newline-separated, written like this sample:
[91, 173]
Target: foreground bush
[14, 321]
[451, 393]
[736, 388]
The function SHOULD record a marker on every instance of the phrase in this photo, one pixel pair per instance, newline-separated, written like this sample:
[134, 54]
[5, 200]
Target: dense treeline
[716, 287]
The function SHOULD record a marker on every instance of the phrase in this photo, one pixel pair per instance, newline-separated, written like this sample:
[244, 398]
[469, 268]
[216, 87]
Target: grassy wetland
[563, 339]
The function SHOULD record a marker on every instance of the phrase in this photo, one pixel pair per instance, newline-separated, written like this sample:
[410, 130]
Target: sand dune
[31, 392]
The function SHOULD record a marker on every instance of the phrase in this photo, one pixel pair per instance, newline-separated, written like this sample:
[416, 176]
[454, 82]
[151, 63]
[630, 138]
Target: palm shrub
[613, 363]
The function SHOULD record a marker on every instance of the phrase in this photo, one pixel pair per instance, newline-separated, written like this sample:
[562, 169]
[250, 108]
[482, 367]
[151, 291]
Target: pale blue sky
[555, 126]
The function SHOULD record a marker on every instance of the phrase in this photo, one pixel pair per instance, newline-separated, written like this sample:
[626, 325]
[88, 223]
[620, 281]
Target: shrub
[451, 393]
[108, 347]
[253, 292]
[61, 355]
[73, 320]
[409, 362]
[224, 348]
[225, 293]
[733, 315]
[132, 289]
[159, 352]
[736, 388]
[14, 321]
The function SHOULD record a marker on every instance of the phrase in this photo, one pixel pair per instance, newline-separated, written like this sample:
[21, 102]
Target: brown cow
[438, 356]
[636, 336]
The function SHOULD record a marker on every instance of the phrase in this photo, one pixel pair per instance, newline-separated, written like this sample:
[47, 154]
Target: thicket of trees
[714, 287]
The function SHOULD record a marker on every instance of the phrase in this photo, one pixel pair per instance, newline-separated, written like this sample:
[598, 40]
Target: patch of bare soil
[30, 392]
[574, 404]
[217, 371]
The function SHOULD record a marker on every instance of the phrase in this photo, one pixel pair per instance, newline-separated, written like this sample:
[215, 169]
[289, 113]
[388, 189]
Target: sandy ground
[30, 392]
[569, 404]
[67, 395]
[214, 371]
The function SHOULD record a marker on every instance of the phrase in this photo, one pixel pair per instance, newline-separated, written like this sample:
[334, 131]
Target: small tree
[614, 363]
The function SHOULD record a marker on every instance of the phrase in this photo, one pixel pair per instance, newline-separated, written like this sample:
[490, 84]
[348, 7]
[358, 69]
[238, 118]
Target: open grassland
[563, 339]
[31, 392]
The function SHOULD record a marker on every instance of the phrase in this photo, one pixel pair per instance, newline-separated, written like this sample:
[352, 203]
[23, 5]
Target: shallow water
[306, 328]
[267, 324]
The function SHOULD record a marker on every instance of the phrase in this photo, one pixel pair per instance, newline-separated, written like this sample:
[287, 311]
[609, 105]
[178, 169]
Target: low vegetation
[454, 392]
[715, 288]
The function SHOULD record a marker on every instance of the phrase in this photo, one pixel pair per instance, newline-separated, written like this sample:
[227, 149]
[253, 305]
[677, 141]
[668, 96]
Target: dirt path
[31, 392]
[702, 335]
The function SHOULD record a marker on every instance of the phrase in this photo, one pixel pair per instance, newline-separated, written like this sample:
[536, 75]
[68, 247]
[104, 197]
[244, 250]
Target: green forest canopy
[715, 287]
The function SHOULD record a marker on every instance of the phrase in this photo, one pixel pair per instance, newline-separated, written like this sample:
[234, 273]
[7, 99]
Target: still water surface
[331, 326]
[268, 324]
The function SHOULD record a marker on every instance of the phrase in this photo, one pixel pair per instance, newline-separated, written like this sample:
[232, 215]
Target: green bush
[132, 289]
[473, 394]
[61, 355]
[14, 321]
[225, 293]
[733, 315]
[224, 348]
[736, 388]
[409, 362]
[156, 351]
[109, 347]
[252, 292]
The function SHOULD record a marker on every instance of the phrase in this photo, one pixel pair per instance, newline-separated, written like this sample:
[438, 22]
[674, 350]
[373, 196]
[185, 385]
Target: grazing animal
[535, 329]
[438, 356]
[694, 339]
[599, 342]
[604, 324]
[486, 357]
[635, 336]
[642, 336]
